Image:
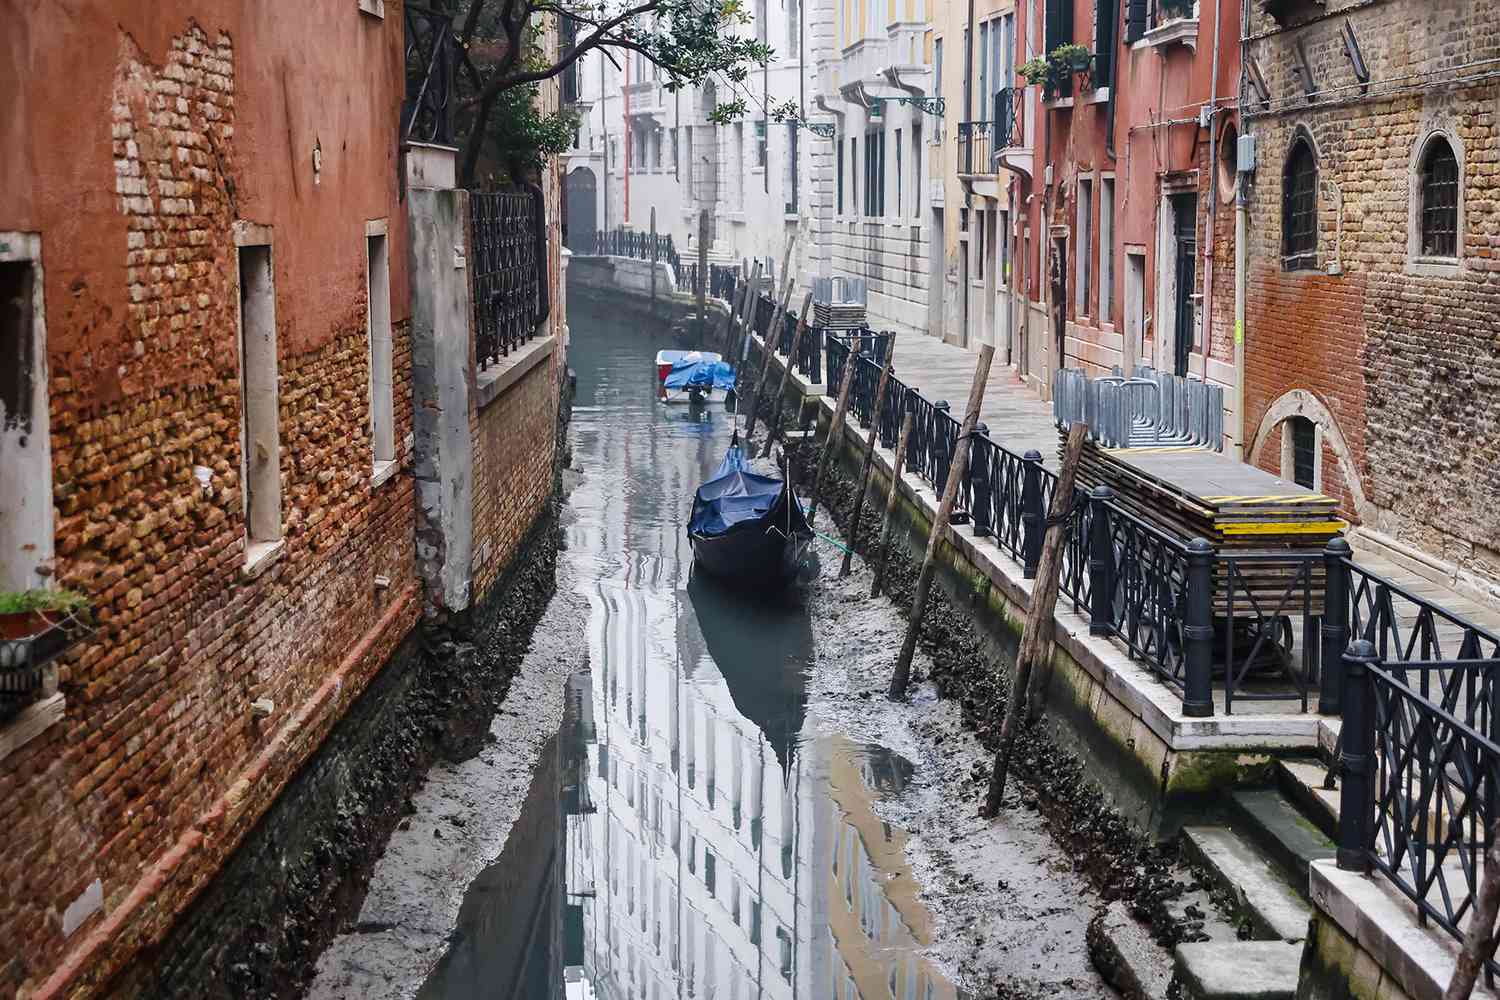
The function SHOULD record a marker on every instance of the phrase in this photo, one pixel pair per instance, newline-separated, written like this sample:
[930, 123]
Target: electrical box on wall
[1246, 154]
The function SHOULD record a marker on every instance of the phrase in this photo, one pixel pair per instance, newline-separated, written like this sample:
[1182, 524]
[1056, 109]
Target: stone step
[1301, 780]
[1258, 893]
[1238, 970]
[1123, 951]
[1291, 840]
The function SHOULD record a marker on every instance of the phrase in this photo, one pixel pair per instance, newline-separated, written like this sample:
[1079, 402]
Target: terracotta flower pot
[20, 624]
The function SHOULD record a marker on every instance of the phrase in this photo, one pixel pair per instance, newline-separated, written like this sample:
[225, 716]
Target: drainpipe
[625, 120]
[1241, 257]
[604, 135]
[1213, 195]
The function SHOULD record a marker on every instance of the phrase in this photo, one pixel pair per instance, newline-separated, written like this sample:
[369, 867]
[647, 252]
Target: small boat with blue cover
[747, 528]
[692, 377]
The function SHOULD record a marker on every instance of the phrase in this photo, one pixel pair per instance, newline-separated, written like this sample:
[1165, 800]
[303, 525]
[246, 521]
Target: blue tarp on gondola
[697, 373]
[732, 496]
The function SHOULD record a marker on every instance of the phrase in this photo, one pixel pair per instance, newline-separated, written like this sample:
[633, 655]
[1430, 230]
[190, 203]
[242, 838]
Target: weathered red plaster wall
[134, 135]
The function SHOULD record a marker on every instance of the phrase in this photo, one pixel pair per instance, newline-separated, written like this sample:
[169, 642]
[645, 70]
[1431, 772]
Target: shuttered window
[1106, 18]
[1059, 23]
[1135, 20]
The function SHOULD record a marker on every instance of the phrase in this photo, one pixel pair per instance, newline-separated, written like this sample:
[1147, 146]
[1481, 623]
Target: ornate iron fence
[431, 61]
[721, 280]
[974, 146]
[510, 270]
[1421, 762]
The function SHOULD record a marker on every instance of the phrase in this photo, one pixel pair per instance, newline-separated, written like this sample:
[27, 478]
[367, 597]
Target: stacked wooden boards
[1188, 492]
[838, 315]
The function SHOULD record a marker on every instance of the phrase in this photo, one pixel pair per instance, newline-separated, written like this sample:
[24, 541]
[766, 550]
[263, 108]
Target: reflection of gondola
[762, 650]
[746, 528]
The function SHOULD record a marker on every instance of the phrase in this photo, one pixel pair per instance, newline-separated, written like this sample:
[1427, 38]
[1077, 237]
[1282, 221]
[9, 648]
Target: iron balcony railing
[974, 144]
[1009, 109]
[980, 143]
[431, 62]
[510, 270]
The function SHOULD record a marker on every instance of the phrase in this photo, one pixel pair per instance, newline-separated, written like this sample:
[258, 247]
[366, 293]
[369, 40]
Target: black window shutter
[1059, 23]
[1135, 20]
[1107, 15]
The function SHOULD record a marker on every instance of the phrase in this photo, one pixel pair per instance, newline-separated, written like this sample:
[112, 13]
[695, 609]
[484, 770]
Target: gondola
[747, 529]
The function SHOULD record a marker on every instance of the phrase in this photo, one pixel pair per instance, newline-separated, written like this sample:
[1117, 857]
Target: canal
[699, 827]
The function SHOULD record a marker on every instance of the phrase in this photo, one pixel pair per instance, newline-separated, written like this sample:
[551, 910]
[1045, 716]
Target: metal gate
[510, 270]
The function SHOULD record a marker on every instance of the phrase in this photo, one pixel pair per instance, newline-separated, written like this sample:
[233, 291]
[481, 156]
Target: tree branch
[504, 80]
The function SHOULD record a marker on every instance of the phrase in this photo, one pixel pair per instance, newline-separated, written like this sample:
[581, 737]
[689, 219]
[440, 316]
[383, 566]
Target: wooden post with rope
[957, 469]
[864, 475]
[703, 276]
[772, 342]
[835, 429]
[773, 423]
[891, 499]
[1036, 638]
[742, 353]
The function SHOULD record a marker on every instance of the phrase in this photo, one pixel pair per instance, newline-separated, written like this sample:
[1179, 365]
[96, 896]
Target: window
[984, 71]
[1439, 200]
[260, 431]
[1300, 452]
[854, 176]
[1059, 27]
[785, 940]
[937, 78]
[709, 870]
[916, 166]
[26, 529]
[739, 165]
[760, 21]
[656, 144]
[378, 318]
[875, 174]
[793, 26]
[1106, 249]
[791, 181]
[760, 144]
[897, 147]
[1083, 247]
[1299, 208]
[839, 157]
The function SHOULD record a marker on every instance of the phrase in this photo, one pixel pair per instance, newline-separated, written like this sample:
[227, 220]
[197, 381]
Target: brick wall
[1396, 350]
[158, 769]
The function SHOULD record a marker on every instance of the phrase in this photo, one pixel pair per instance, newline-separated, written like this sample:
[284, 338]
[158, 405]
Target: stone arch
[1301, 403]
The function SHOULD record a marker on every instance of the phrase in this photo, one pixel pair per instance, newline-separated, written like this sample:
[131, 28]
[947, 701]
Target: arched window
[1299, 208]
[1439, 200]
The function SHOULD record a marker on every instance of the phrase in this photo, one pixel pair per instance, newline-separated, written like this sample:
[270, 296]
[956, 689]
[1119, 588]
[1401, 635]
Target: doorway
[935, 277]
[1185, 237]
[1135, 310]
[1058, 267]
[580, 192]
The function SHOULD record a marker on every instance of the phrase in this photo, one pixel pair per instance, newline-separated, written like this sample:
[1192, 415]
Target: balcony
[1165, 23]
[985, 148]
[644, 98]
[863, 61]
[29, 643]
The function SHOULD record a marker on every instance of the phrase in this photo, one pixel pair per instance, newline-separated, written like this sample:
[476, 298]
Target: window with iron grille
[1299, 208]
[1439, 200]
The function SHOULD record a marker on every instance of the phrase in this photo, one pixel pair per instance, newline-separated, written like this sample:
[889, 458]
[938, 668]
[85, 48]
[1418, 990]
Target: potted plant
[1072, 57]
[25, 613]
[1033, 71]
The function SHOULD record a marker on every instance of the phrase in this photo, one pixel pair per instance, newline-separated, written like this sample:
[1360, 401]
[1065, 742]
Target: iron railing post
[980, 474]
[1335, 627]
[1357, 759]
[1033, 527]
[1198, 631]
[1101, 563]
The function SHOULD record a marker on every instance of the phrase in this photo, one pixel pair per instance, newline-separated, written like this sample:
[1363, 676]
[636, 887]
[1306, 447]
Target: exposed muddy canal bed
[718, 802]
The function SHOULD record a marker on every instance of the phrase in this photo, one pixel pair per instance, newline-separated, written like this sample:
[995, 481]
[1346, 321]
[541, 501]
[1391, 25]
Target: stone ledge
[1383, 923]
[261, 556]
[492, 383]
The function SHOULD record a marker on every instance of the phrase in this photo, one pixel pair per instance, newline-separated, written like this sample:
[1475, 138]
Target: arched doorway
[581, 191]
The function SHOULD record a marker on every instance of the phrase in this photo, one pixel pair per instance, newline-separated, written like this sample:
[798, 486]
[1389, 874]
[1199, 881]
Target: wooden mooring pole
[742, 354]
[1036, 638]
[956, 471]
[703, 276]
[864, 475]
[653, 260]
[772, 342]
[835, 430]
[773, 423]
[739, 304]
[892, 498]
[1479, 937]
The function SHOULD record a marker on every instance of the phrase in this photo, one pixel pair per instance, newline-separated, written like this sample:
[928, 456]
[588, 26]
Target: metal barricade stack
[1150, 409]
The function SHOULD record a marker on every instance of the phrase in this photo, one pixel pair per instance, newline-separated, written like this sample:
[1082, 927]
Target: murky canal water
[708, 838]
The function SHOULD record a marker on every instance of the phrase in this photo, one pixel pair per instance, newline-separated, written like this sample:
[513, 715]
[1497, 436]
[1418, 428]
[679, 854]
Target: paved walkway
[1016, 418]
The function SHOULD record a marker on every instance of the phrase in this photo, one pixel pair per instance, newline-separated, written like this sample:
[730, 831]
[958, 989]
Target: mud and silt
[683, 792]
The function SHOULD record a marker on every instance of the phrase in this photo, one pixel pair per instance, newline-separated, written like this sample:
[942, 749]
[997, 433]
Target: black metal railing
[510, 270]
[638, 245]
[24, 661]
[1421, 771]
[431, 62]
[721, 280]
[1009, 108]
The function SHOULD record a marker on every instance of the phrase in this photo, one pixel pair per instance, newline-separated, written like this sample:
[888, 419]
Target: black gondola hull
[766, 552]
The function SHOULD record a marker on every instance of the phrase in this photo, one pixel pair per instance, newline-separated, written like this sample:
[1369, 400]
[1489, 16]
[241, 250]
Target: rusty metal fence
[510, 270]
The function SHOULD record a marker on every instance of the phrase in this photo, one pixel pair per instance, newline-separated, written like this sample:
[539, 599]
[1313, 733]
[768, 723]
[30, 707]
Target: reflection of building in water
[691, 870]
[875, 925]
[698, 872]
